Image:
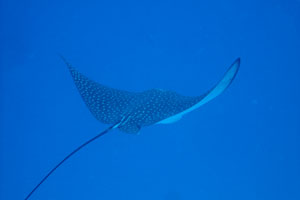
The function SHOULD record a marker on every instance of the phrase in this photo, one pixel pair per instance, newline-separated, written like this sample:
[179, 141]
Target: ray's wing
[224, 83]
[108, 105]
[211, 94]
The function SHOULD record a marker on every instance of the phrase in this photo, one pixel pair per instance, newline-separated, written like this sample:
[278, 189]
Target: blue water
[242, 145]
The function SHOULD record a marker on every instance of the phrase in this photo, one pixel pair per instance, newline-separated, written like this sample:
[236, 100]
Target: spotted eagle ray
[130, 111]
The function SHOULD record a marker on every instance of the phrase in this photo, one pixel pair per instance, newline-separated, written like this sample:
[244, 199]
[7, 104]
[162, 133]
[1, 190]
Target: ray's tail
[69, 155]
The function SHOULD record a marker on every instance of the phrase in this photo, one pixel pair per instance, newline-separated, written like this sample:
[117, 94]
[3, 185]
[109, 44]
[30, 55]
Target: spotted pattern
[108, 105]
[133, 110]
[155, 105]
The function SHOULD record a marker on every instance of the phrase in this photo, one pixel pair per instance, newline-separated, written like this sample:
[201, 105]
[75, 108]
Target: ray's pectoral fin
[220, 86]
[211, 94]
[223, 83]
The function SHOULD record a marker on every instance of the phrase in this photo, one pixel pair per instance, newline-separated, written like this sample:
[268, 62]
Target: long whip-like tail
[68, 156]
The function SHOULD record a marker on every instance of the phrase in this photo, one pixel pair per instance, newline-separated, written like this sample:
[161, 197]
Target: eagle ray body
[130, 111]
[136, 110]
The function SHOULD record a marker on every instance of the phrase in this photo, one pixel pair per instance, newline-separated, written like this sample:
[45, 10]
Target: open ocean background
[242, 145]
